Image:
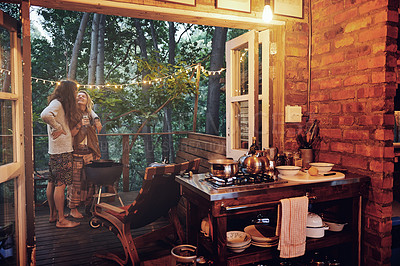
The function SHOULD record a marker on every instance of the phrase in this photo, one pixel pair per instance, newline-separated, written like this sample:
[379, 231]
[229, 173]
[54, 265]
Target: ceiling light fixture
[267, 14]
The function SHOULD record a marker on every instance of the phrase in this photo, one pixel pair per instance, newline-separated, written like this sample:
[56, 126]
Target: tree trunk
[77, 46]
[93, 49]
[168, 150]
[100, 49]
[148, 142]
[213, 95]
[103, 142]
[155, 42]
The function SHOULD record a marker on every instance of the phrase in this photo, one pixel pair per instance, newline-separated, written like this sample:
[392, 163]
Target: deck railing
[120, 152]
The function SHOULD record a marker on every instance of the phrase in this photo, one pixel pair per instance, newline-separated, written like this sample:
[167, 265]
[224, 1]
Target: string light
[134, 83]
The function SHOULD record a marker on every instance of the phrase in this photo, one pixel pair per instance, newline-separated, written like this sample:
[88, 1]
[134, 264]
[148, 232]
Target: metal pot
[185, 254]
[224, 168]
[254, 165]
[242, 167]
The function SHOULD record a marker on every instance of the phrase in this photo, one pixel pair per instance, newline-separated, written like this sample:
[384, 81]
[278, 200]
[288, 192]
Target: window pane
[7, 221]
[5, 62]
[6, 132]
[241, 125]
[241, 84]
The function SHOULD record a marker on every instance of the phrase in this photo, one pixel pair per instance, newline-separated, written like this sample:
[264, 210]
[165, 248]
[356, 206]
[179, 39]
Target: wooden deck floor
[78, 246]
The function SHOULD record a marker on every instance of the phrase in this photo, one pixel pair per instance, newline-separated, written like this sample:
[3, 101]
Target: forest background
[143, 76]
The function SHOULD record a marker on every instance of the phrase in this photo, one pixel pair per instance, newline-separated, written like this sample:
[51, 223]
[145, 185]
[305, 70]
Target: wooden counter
[224, 205]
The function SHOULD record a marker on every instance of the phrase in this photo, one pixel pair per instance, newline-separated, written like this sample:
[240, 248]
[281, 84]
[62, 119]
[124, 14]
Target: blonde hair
[89, 104]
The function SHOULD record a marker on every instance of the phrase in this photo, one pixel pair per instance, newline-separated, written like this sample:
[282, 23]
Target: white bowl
[335, 227]
[236, 239]
[288, 170]
[323, 167]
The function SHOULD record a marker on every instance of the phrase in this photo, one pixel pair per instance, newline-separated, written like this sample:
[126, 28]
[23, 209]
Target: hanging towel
[291, 226]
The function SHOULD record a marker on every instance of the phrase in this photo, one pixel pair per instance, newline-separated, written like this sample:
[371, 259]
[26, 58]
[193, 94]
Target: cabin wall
[353, 84]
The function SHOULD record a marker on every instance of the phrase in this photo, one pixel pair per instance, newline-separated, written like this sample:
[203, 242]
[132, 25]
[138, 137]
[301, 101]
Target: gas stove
[241, 180]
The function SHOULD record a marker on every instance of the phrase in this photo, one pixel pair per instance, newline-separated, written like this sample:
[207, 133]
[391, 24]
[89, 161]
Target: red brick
[330, 108]
[322, 49]
[296, 51]
[372, 62]
[343, 94]
[354, 107]
[332, 58]
[358, 51]
[372, 34]
[354, 162]
[330, 157]
[372, 6]
[334, 133]
[388, 152]
[377, 105]
[369, 151]
[345, 16]
[391, 61]
[388, 120]
[330, 83]
[319, 97]
[355, 25]
[342, 120]
[354, 80]
[384, 134]
[368, 120]
[342, 147]
[354, 134]
[381, 196]
[392, 32]
[343, 42]
[370, 92]
[377, 210]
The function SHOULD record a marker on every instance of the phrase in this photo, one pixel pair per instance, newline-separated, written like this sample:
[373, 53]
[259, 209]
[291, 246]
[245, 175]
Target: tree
[77, 46]
[214, 86]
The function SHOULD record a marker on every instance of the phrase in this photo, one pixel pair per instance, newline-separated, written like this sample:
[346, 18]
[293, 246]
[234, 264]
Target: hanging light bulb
[267, 14]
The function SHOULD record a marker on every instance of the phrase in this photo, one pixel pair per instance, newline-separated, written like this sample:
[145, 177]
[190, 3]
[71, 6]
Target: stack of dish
[237, 241]
[262, 235]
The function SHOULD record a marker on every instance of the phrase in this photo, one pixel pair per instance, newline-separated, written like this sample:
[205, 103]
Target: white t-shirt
[55, 119]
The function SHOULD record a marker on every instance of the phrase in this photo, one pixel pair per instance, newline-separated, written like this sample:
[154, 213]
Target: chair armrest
[111, 207]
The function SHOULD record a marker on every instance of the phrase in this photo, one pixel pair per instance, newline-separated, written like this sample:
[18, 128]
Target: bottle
[254, 147]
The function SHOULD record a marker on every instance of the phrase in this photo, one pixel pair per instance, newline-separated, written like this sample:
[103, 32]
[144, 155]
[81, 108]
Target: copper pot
[254, 164]
[224, 168]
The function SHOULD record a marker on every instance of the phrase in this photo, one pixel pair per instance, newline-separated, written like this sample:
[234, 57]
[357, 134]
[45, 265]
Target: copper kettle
[255, 164]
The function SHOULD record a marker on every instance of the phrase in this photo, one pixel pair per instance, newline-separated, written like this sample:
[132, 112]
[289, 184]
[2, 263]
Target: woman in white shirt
[59, 116]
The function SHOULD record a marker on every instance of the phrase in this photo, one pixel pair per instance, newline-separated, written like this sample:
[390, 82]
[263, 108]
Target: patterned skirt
[80, 190]
[60, 166]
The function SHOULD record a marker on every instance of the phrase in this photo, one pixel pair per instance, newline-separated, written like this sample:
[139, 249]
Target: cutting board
[305, 177]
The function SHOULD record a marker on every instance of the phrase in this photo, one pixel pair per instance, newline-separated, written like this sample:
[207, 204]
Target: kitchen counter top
[201, 187]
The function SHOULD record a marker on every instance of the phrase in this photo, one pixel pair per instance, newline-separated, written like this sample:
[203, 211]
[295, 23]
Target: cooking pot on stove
[254, 164]
[224, 168]
[102, 163]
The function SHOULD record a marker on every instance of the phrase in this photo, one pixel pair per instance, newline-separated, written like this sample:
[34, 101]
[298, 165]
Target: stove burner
[240, 179]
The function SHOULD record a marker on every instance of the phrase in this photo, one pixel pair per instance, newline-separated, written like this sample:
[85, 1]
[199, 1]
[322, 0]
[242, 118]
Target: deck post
[125, 162]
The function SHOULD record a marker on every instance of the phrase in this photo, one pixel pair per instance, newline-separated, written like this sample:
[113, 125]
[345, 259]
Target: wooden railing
[195, 145]
[125, 157]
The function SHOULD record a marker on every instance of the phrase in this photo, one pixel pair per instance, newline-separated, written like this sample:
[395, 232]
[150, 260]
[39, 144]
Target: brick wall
[353, 84]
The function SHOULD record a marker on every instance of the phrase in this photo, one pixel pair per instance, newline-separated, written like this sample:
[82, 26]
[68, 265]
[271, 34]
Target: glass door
[12, 177]
[247, 96]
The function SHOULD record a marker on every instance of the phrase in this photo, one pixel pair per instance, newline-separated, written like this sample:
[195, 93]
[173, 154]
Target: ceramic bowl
[237, 239]
[335, 227]
[288, 170]
[323, 167]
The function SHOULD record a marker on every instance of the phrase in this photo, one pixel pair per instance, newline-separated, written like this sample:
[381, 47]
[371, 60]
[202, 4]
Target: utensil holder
[308, 157]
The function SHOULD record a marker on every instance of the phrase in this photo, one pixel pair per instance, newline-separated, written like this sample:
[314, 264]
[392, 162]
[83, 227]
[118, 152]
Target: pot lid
[314, 220]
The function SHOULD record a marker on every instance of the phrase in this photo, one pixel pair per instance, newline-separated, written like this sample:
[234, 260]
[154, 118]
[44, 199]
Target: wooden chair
[159, 196]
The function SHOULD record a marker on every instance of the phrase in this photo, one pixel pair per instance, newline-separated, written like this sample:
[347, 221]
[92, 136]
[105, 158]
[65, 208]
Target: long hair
[89, 104]
[66, 92]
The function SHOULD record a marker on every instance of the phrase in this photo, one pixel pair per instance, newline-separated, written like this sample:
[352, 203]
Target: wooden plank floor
[78, 246]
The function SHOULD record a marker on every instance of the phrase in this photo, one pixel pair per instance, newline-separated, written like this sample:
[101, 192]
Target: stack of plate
[262, 235]
[237, 241]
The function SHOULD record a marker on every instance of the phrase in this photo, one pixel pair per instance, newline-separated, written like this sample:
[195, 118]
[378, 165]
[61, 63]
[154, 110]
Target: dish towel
[291, 226]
